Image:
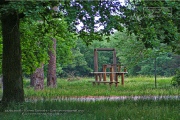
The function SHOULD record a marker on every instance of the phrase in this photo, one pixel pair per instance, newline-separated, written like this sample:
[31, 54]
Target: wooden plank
[103, 82]
[105, 49]
[114, 62]
[104, 74]
[95, 61]
[122, 79]
[109, 72]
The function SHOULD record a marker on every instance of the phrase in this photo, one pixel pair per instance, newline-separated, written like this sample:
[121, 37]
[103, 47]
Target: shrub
[176, 79]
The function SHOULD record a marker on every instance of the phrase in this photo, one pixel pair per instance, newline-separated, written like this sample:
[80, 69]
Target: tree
[11, 12]
[153, 22]
[37, 78]
[51, 74]
[11, 61]
[34, 51]
[11, 64]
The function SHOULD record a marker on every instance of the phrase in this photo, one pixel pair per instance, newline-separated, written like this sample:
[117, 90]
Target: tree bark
[32, 79]
[37, 78]
[51, 75]
[11, 62]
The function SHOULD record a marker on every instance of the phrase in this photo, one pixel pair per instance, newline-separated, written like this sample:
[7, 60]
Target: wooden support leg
[111, 74]
[110, 84]
[116, 79]
[96, 77]
[122, 79]
[104, 74]
[100, 76]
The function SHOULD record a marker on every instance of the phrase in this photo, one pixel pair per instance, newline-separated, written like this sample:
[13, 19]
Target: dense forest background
[130, 53]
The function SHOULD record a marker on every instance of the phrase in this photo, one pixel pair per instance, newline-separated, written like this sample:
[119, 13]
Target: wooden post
[104, 74]
[100, 76]
[111, 74]
[114, 62]
[122, 78]
[116, 79]
[119, 68]
[96, 64]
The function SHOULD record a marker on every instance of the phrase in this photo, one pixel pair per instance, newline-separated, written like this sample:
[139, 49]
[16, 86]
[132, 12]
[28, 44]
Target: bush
[176, 79]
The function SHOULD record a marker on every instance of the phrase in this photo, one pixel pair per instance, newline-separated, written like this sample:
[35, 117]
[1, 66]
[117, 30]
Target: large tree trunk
[51, 75]
[11, 62]
[37, 78]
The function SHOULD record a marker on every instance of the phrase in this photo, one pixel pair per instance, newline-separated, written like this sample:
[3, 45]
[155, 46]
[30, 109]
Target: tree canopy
[154, 22]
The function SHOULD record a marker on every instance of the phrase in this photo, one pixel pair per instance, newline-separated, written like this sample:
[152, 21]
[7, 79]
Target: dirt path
[110, 98]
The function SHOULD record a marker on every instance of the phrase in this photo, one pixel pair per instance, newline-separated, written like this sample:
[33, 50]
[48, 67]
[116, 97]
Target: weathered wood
[114, 62]
[115, 70]
[104, 81]
[95, 60]
[110, 82]
[109, 72]
[111, 79]
[105, 49]
[104, 74]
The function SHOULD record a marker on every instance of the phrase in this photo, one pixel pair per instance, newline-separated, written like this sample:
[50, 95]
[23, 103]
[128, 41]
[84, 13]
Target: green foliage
[36, 41]
[139, 60]
[129, 50]
[176, 79]
[153, 22]
[86, 12]
[34, 45]
[1, 48]
[131, 53]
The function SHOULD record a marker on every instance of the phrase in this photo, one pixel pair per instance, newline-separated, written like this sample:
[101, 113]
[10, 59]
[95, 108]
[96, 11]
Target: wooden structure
[115, 70]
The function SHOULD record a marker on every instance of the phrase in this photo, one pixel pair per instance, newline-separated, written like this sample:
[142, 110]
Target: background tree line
[130, 53]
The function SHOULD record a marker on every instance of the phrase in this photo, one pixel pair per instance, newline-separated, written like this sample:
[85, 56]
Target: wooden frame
[96, 59]
[115, 70]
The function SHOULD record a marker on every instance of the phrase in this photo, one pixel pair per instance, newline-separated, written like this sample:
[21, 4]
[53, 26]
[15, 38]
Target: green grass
[99, 110]
[134, 86]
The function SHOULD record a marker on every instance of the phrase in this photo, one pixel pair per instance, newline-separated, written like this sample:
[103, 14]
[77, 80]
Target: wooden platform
[98, 82]
[98, 77]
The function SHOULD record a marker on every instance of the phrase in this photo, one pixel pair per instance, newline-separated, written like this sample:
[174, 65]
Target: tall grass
[48, 109]
[98, 110]
[134, 86]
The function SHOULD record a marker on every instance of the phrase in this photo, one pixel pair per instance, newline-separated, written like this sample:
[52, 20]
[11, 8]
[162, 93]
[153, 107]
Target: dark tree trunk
[37, 78]
[32, 79]
[11, 62]
[51, 75]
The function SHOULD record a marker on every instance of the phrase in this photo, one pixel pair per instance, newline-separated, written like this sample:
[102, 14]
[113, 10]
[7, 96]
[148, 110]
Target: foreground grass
[99, 110]
[134, 86]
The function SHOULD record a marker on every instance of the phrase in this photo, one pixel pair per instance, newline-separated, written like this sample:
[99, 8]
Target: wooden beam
[95, 60]
[105, 49]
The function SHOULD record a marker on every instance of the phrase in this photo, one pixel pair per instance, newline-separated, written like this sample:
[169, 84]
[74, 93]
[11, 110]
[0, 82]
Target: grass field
[98, 110]
[134, 86]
